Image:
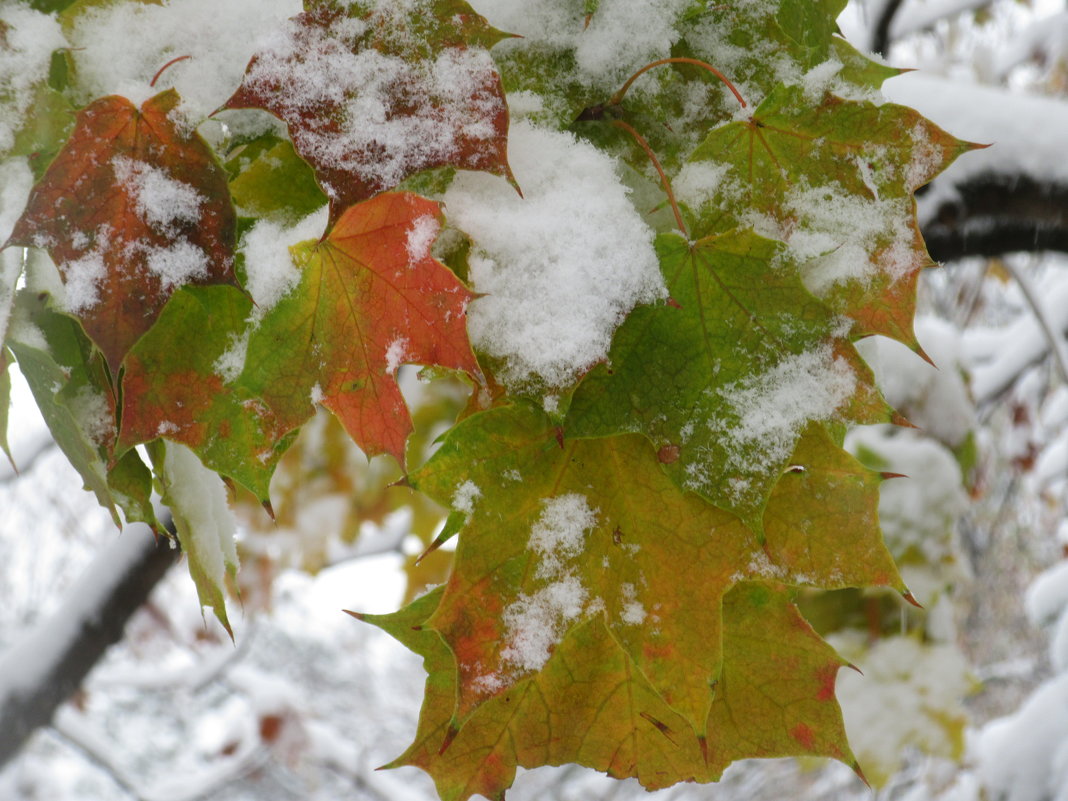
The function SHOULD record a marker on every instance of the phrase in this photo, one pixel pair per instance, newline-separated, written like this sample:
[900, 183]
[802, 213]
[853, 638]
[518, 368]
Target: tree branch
[42, 669]
[880, 34]
[996, 213]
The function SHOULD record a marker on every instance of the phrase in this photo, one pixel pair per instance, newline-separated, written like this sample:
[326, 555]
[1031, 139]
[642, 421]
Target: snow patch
[29, 39]
[463, 499]
[420, 238]
[119, 47]
[198, 495]
[270, 273]
[560, 531]
[561, 267]
[773, 406]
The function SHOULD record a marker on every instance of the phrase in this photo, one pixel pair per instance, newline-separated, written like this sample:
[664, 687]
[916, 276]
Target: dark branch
[41, 670]
[880, 34]
[998, 214]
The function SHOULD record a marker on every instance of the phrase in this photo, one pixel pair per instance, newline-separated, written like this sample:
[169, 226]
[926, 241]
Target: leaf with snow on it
[180, 382]
[591, 705]
[160, 217]
[374, 93]
[597, 531]
[197, 499]
[360, 309]
[834, 179]
[726, 377]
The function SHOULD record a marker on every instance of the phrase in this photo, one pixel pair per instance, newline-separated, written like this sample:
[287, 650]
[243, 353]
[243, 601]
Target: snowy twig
[75, 732]
[1054, 336]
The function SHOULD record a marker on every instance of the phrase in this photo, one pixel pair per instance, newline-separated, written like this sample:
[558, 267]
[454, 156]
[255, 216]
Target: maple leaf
[725, 377]
[370, 298]
[373, 94]
[591, 705]
[834, 178]
[71, 390]
[557, 535]
[160, 217]
[175, 385]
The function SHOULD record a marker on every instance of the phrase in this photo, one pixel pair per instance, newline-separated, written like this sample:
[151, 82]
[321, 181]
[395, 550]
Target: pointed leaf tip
[908, 596]
[268, 507]
[888, 475]
[860, 774]
[358, 615]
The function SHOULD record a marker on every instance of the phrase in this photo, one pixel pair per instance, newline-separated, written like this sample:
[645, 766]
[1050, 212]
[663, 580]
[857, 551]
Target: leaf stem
[660, 170]
[160, 71]
[618, 96]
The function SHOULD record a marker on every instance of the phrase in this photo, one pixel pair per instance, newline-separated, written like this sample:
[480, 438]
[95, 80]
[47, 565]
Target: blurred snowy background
[967, 700]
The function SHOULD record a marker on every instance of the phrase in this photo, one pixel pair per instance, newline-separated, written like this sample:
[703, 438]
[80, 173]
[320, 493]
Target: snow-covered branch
[1010, 196]
[49, 662]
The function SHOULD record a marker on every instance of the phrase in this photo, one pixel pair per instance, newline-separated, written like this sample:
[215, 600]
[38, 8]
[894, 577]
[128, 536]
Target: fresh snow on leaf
[206, 525]
[118, 47]
[27, 39]
[620, 37]
[561, 266]
[270, 273]
[772, 407]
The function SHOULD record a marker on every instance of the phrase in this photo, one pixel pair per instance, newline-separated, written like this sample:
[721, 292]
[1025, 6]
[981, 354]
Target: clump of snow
[396, 353]
[1047, 597]
[633, 612]
[270, 273]
[847, 237]
[160, 200]
[198, 496]
[231, 362]
[560, 267]
[560, 531]
[117, 48]
[421, 236]
[394, 115]
[29, 38]
[178, 263]
[463, 499]
[81, 280]
[622, 35]
[773, 406]
[1022, 757]
[537, 622]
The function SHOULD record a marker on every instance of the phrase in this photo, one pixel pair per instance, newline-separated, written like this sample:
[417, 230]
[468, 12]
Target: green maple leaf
[374, 94]
[366, 303]
[726, 377]
[591, 704]
[557, 535]
[834, 178]
[174, 387]
[160, 217]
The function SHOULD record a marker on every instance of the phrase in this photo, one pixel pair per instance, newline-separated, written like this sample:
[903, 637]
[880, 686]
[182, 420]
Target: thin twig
[617, 98]
[656, 163]
[1056, 340]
